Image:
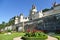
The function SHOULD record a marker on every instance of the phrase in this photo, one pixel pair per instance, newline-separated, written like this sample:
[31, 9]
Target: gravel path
[51, 38]
[17, 38]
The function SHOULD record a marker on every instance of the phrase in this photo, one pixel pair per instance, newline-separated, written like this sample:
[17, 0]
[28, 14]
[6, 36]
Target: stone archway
[17, 28]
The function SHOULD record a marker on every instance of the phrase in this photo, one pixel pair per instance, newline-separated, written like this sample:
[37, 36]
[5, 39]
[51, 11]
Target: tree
[11, 21]
[46, 9]
[2, 25]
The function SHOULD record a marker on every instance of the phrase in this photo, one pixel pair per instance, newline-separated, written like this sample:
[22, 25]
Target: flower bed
[34, 35]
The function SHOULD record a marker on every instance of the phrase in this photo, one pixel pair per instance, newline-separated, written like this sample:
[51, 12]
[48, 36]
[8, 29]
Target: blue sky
[10, 8]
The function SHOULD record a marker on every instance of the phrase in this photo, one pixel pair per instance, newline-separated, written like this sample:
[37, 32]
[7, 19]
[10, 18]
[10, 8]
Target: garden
[57, 36]
[34, 35]
[29, 35]
[5, 36]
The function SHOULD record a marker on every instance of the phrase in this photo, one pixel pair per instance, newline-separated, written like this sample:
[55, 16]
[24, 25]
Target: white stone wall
[40, 14]
[22, 19]
[47, 13]
[2, 29]
[57, 8]
[20, 28]
[51, 12]
[16, 20]
[8, 28]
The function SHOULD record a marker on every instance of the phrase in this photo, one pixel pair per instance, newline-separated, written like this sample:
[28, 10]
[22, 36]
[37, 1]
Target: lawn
[57, 36]
[11, 36]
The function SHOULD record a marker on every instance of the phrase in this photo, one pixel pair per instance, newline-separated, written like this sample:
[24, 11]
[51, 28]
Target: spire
[21, 14]
[54, 4]
[33, 6]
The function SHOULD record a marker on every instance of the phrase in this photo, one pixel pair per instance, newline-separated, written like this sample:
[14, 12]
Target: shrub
[8, 30]
[35, 36]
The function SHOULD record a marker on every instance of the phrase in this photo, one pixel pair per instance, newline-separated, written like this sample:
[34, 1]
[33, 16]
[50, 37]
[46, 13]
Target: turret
[21, 17]
[40, 14]
[33, 6]
[16, 20]
[32, 12]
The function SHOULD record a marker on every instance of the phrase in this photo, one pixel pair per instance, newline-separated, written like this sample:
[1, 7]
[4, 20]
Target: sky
[11, 8]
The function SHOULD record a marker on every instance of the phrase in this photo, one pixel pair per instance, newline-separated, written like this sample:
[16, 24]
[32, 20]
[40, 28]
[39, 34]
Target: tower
[32, 12]
[21, 17]
[16, 20]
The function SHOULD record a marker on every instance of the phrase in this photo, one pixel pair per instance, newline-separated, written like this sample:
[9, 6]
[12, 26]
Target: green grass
[10, 37]
[57, 36]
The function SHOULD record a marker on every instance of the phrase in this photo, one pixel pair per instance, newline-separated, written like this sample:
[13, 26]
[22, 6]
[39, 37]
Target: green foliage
[34, 38]
[58, 37]
[39, 35]
[2, 25]
[46, 9]
[9, 30]
[11, 22]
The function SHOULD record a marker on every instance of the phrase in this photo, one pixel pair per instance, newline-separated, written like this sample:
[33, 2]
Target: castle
[46, 19]
[34, 14]
[43, 20]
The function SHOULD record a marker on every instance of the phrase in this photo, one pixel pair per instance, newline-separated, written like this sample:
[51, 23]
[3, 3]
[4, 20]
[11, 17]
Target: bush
[35, 36]
[41, 35]
[8, 30]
